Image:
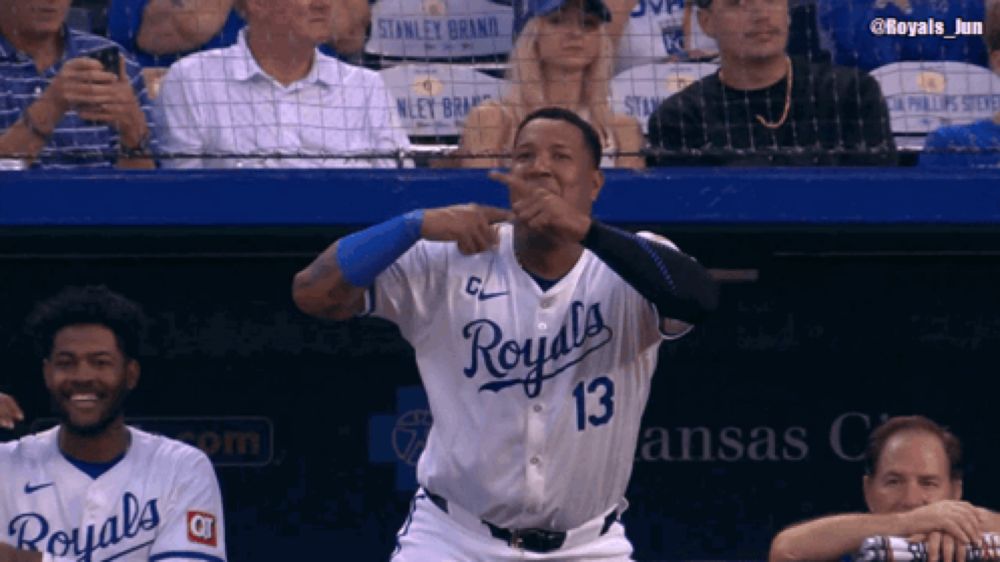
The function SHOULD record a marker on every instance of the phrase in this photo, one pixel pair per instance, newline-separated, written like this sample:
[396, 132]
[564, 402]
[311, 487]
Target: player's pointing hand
[470, 226]
[10, 412]
[543, 209]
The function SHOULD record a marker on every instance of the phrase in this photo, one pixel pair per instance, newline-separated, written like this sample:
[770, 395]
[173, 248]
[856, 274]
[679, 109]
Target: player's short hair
[991, 28]
[590, 136]
[892, 426]
[93, 304]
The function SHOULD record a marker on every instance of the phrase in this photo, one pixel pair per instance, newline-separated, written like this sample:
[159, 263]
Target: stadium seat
[441, 30]
[923, 96]
[640, 90]
[432, 100]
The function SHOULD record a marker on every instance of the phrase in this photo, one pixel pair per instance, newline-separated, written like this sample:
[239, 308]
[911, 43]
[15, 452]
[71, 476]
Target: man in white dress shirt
[273, 100]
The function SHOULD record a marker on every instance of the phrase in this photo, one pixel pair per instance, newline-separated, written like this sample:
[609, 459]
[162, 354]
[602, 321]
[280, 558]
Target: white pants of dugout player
[444, 532]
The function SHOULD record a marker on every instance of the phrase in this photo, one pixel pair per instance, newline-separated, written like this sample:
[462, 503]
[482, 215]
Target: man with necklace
[763, 107]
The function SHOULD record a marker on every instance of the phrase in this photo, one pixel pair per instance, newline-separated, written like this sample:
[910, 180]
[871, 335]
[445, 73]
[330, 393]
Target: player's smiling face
[88, 377]
[912, 470]
[552, 154]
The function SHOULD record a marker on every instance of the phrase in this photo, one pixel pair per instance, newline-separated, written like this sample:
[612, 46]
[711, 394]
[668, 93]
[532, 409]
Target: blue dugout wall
[848, 295]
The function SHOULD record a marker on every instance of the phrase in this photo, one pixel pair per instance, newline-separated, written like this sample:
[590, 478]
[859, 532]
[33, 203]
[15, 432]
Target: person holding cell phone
[77, 100]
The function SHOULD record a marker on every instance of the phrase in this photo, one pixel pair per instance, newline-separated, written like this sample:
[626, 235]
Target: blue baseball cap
[533, 8]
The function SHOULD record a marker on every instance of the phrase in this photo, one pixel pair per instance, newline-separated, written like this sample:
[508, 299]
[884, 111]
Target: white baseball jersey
[656, 32]
[160, 502]
[536, 396]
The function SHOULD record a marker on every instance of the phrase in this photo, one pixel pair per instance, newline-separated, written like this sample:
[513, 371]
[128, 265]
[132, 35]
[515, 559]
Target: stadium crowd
[299, 83]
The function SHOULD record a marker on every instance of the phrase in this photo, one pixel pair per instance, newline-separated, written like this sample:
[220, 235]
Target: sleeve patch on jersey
[201, 528]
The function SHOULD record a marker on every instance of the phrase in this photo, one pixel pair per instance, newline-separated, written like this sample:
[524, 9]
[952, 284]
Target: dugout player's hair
[892, 426]
[92, 304]
[590, 136]
[991, 28]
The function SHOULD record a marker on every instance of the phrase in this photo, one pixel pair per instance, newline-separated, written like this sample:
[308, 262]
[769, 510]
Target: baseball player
[92, 488]
[535, 340]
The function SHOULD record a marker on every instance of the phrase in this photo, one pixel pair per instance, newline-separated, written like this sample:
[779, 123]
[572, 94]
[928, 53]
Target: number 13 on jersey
[603, 389]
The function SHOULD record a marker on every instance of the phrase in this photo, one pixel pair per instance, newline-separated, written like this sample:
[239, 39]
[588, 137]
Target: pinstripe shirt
[75, 143]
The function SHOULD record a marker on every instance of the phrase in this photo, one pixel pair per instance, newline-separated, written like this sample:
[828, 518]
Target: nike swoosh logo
[487, 296]
[29, 489]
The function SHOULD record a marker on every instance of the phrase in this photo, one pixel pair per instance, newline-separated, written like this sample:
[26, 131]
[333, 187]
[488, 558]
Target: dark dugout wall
[847, 296]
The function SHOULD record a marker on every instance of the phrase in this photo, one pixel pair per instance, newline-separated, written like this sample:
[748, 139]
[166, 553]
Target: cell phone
[108, 57]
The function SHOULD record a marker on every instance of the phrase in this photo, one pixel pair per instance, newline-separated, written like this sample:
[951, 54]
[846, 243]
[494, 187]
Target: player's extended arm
[829, 538]
[176, 26]
[677, 284]
[333, 285]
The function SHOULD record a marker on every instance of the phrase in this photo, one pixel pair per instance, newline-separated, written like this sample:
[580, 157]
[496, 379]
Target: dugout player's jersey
[661, 30]
[160, 502]
[536, 396]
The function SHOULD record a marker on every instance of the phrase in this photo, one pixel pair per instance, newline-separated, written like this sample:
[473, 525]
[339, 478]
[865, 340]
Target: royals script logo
[33, 531]
[543, 357]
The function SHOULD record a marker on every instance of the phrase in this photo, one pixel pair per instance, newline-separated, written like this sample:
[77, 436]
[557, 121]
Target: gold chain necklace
[788, 98]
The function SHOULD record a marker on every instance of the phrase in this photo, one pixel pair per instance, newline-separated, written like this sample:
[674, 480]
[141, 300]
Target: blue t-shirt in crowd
[966, 146]
[125, 18]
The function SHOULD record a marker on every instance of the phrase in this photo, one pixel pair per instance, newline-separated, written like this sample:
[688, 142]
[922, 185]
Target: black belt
[532, 540]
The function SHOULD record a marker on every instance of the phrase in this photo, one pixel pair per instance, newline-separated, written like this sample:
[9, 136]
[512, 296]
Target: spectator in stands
[61, 108]
[976, 145]
[161, 31]
[913, 489]
[657, 31]
[561, 58]
[763, 107]
[272, 100]
[645, 32]
[845, 27]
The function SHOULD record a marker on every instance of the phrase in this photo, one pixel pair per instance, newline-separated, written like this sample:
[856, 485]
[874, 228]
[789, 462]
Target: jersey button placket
[543, 317]
[534, 451]
[94, 506]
